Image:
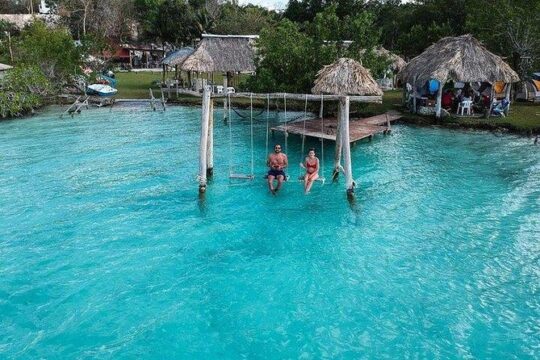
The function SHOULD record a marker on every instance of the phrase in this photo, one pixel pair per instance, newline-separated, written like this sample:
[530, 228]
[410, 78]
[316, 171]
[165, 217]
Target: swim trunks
[276, 173]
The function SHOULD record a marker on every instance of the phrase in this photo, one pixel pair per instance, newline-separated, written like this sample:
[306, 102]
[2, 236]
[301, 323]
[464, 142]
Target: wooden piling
[210, 145]
[414, 95]
[345, 139]
[339, 145]
[204, 139]
[439, 100]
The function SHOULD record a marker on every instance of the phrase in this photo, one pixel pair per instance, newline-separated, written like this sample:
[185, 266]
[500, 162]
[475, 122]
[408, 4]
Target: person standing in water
[311, 164]
[277, 162]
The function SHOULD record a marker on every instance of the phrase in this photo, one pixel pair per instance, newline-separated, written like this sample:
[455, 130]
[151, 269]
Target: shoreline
[407, 118]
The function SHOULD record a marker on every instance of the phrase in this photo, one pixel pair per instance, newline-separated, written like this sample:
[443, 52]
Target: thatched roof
[4, 67]
[396, 62]
[461, 58]
[178, 57]
[222, 53]
[345, 77]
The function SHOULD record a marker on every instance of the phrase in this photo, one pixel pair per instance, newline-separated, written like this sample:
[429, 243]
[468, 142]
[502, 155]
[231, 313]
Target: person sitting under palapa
[277, 161]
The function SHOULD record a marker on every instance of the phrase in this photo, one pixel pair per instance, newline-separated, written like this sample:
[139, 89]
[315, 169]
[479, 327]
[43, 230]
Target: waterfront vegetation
[293, 45]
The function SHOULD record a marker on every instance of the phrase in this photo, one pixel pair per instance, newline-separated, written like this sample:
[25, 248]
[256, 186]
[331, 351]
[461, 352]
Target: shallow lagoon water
[106, 250]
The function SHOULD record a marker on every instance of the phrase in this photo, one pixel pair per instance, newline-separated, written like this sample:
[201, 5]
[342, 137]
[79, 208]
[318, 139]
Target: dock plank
[358, 128]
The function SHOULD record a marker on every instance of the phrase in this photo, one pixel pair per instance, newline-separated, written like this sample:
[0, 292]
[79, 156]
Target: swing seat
[242, 176]
[320, 179]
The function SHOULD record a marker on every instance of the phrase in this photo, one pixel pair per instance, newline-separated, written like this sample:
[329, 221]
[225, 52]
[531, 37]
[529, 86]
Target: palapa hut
[175, 59]
[460, 59]
[227, 54]
[397, 64]
[345, 77]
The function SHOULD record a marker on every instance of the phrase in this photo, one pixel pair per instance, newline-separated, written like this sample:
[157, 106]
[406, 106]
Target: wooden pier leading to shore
[359, 128]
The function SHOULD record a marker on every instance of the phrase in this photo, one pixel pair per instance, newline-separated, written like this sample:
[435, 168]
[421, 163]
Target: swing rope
[322, 139]
[304, 130]
[267, 121]
[286, 131]
[230, 134]
[251, 124]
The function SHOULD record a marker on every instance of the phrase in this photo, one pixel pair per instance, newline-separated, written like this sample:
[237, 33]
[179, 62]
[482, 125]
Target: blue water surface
[107, 251]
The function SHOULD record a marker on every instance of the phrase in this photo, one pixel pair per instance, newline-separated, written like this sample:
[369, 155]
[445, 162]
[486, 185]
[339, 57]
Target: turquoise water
[107, 252]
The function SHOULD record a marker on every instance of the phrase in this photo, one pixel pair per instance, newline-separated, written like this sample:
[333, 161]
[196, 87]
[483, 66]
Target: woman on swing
[311, 164]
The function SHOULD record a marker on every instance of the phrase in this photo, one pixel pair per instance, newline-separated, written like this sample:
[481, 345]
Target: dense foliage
[293, 45]
[52, 49]
[22, 90]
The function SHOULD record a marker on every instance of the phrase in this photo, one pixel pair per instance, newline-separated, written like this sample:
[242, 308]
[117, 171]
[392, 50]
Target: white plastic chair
[464, 105]
[219, 89]
[230, 90]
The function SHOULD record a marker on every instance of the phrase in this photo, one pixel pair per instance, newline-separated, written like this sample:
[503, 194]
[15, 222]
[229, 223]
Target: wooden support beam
[349, 183]
[204, 140]
[439, 100]
[210, 145]
[302, 97]
[507, 96]
[491, 100]
[339, 144]
[414, 95]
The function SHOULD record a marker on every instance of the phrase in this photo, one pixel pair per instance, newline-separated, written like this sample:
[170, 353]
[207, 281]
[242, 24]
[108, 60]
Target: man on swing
[277, 161]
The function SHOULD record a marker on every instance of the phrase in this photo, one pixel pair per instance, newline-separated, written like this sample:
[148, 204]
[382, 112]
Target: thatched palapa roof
[178, 57]
[4, 67]
[396, 62]
[222, 53]
[345, 77]
[461, 58]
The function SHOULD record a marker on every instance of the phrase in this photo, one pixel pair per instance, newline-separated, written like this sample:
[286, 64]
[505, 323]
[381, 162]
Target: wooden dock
[359, 128]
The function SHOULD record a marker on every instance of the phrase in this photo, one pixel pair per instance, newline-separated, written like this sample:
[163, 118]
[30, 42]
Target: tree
[243, 20]
[509, 28]
[52, 49]
[175, 21]
[285, 60]
[23, 89]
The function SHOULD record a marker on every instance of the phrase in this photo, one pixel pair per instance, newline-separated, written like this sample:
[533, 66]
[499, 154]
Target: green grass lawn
[135, 85]
[523, 117]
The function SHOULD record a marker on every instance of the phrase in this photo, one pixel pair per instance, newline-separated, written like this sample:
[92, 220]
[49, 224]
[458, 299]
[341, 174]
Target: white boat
[101, 90]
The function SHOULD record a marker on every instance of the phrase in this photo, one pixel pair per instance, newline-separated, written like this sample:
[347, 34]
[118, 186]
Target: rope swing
[322, 178]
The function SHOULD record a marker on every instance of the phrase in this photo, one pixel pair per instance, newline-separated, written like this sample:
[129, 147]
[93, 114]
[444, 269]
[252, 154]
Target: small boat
[101, 90]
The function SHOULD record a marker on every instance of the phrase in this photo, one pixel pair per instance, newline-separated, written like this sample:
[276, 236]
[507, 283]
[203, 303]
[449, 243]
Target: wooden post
[491, 99]
[507, 96]
[210, 145]
[152, 99]
[339, 143]
[229, 78]
[344, 104]
[388, 125]
[204, 140]
[414, 95]
[439, 99]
